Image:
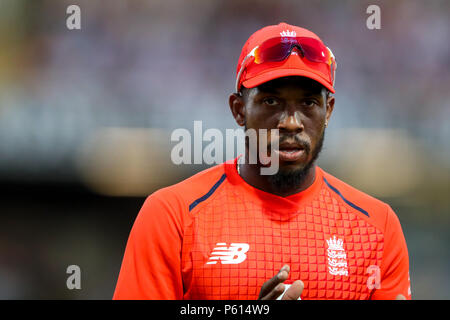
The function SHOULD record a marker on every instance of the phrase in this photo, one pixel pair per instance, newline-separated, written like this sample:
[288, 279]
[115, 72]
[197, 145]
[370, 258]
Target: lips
[290, 151]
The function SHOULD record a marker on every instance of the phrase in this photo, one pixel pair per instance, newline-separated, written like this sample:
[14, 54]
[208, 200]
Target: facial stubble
[285, 181]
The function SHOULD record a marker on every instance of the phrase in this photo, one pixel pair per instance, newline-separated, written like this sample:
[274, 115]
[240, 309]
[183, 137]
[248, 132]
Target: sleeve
[395, 263]
[151, 266]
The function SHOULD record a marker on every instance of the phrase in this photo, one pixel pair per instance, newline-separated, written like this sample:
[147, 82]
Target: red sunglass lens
[274, 50]
[278, 49]
[314, 50]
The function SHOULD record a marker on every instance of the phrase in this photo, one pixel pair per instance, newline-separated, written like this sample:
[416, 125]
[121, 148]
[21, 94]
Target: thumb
[294, 292]
[400, 297]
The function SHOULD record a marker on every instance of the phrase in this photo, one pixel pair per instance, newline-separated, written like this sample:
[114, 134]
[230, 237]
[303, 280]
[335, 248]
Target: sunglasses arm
[333, 66]
[251, 54]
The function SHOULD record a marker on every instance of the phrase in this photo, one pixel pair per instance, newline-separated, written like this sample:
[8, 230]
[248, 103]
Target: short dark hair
[243, 92]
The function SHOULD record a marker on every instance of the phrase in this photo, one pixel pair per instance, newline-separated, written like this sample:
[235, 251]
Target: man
[230, 232]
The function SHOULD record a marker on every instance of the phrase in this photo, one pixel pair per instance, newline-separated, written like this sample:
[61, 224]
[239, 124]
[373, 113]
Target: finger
[275, 293]
[400, 297]
[295, 291]
[270, 284]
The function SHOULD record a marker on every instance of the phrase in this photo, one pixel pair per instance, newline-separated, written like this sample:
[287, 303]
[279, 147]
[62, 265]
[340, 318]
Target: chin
[291, 167]
[289, 177]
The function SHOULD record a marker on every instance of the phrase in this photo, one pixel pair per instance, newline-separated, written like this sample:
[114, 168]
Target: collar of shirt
[279, 208]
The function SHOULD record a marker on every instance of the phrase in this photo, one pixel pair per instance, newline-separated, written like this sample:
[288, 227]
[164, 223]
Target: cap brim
[279, 73]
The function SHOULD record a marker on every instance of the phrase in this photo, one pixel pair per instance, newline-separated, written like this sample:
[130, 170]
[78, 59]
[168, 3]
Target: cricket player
[230, 232]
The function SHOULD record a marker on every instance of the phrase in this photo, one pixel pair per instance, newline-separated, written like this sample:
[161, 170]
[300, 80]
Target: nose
[291, 122]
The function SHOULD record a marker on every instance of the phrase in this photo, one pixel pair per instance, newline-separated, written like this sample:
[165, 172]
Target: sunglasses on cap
[280, 48]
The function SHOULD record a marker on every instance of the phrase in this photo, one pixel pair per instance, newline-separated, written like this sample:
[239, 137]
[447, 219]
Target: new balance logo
[234, 254]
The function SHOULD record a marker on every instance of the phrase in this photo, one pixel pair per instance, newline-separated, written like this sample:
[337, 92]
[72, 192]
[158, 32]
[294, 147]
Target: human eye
[310, 103]
[271, 101]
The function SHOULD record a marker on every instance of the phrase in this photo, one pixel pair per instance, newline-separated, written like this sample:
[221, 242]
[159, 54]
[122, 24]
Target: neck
[251, 173]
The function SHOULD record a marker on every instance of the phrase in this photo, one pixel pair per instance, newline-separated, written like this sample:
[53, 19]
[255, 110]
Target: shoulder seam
[351, 204]
[208, 194]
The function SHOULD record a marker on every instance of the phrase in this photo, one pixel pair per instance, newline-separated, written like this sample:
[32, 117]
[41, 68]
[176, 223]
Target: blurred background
[86, 117]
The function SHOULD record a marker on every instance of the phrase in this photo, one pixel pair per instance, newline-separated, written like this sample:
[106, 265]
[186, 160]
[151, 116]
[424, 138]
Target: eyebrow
[274, 90]
[313, 94]
[263, 89]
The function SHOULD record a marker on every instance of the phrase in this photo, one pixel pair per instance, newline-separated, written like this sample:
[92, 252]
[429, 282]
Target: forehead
[298, 85]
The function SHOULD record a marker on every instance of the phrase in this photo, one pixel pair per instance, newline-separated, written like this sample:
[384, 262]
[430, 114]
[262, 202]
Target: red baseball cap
[255, 74]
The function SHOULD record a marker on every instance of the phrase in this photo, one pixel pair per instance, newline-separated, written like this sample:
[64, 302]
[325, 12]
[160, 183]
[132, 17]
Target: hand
[273, 288]
[400, 297]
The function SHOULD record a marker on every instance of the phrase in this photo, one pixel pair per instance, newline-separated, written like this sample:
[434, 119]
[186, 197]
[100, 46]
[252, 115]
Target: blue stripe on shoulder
[346, 201]
[210, 192]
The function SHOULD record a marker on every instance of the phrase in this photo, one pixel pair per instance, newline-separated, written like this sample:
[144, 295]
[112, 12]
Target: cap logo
[288, 33]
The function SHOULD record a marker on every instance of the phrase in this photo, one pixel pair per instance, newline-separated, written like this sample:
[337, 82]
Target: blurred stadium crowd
[86, 117]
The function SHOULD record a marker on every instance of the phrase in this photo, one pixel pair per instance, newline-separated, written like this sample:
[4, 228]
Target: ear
[237, 107]
[330, 107]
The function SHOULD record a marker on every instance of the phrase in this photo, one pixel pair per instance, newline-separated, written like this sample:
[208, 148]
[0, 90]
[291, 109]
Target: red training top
[213, 236]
